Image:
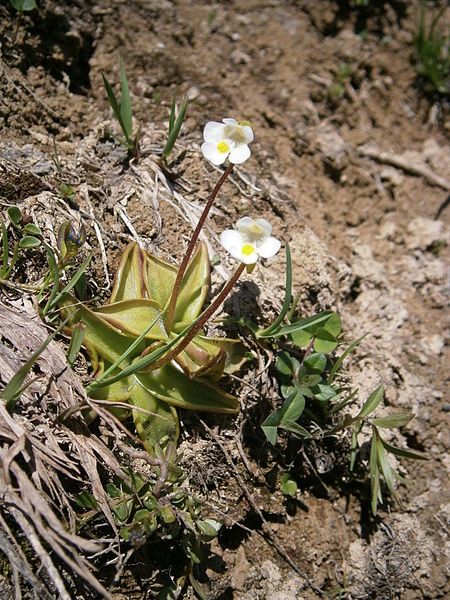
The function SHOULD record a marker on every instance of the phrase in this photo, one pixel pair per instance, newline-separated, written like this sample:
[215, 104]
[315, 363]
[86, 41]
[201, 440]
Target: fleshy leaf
[153, 428]
[133, 316]
[100, 337]
[129, 282]
[194, 289]
[172, 386]
[197, 360]
[160, 278]
[234, 350]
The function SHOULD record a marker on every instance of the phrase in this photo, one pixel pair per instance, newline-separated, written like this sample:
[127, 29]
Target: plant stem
[184, 263]
[204, 317]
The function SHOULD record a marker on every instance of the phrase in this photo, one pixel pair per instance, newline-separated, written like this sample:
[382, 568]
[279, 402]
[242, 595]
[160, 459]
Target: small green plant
[65, 189]
[22, 233]
[157, 507]
[23, 5]
[314, 394]
[176, 119]
[336, 91]
[122, 110]
[432, 49]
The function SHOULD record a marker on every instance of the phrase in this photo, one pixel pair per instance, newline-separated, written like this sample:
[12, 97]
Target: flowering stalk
[184, 263]
[203, 319]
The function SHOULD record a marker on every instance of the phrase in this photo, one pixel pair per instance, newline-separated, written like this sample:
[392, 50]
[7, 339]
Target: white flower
[229, 139]
[250, 240]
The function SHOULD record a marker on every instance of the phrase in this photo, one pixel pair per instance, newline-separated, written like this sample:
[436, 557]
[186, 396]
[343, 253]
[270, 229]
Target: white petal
[243, 224]
[269, 247]
[239, 154]
[248, 132]
[210, 152]
[213, 131]
[230, 121]
[231, 238]
[265, 225]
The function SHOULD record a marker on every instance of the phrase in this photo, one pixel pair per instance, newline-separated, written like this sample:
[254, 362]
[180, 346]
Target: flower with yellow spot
[250, 240]
[229, 139]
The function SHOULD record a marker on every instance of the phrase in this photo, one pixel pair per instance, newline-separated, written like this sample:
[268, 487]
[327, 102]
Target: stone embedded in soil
[423, 233]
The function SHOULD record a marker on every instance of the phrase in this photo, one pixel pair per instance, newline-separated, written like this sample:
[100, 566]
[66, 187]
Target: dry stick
[405, 165]
[268, 534]
[184, 263]
[204, 317]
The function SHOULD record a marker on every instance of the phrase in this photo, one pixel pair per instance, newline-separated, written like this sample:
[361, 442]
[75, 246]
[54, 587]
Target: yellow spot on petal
[247, 249]
[245, 123]
[223, 147]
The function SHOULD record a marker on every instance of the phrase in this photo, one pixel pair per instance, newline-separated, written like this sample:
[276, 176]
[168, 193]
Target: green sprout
[175, 123]
[432, 48]
[122, 110]
[23, 5]
[65, 189]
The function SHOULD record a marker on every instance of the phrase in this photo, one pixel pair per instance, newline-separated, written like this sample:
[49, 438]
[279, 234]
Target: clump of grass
[432, 53]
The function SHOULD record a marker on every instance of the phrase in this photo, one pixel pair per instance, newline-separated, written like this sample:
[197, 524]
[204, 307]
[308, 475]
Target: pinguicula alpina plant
[146, 345]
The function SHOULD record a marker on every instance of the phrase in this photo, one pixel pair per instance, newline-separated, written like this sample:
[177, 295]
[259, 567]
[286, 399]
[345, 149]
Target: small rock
[422, 233]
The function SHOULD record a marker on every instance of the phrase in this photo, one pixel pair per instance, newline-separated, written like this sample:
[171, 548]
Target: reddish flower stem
[168, 320]
[204, 317]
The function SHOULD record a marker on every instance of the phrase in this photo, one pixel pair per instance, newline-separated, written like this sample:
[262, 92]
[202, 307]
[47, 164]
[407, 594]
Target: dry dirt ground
[368, 238]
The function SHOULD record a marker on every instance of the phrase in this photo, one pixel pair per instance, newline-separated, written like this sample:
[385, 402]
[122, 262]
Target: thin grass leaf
[337, 365]
[299, 325]
[174, 132]
[53, 266]
[374, 473]
[71, 284]
[5, 249]
[125, 105]
[122, 357]
[173, 109]
[114, 104]
[14, 258]
[76, 342]
[287, 297]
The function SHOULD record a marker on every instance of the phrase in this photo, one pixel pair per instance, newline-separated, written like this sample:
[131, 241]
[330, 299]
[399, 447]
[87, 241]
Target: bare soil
[367, 238]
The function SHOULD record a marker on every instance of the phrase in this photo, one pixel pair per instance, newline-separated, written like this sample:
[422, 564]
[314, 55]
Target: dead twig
[406, 165]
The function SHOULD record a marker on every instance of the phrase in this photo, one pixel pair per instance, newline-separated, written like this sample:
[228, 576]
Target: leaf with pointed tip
[194, 289]
[374, 474]
[160, 279]
[393, 420]
[173, 387]
[129, 282]
[404, 452]
[385, 467]
[372, 402]
[133, 317]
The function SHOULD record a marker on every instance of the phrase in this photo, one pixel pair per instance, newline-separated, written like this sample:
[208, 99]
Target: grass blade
[298, 325]
[287, 298]
[337, 365]
[114, 103]
[125, 105]
[71, 284]
[174, 132]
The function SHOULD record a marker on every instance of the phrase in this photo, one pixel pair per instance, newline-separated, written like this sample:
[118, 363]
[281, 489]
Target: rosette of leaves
[134, 319]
